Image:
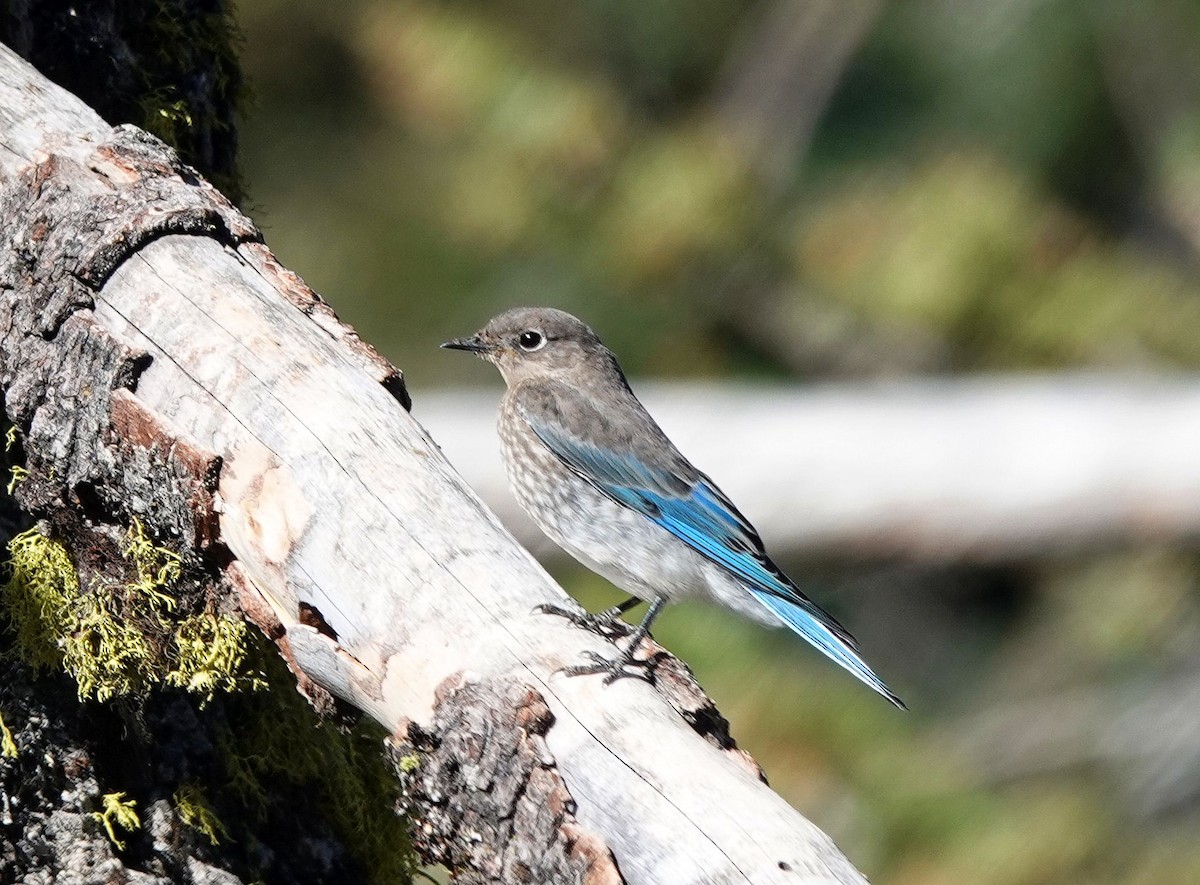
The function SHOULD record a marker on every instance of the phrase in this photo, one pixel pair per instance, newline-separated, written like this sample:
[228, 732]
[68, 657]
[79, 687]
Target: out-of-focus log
[987, 469]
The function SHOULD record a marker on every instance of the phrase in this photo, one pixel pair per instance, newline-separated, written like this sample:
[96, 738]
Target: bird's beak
[474, 344]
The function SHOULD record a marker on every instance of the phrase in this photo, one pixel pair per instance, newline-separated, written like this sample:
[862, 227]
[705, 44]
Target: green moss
[117, 811]
[195, 810]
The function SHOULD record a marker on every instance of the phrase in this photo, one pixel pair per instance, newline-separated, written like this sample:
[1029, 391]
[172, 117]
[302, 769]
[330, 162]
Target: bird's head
[539, 342]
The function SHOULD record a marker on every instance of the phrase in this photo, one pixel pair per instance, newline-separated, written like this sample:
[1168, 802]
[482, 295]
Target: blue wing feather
[700, 515]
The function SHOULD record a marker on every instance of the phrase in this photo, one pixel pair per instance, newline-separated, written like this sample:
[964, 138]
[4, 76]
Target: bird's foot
[607, 623]
[612, 669]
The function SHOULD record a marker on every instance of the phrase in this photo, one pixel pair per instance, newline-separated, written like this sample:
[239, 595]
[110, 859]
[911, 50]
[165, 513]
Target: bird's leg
[603, 623]
[615, 668]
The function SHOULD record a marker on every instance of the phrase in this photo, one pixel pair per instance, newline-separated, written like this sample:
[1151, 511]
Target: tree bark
[160, 363]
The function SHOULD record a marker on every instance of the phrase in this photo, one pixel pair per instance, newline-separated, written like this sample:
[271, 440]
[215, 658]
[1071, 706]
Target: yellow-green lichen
[8, 746]
[211, 657]
[156, 567]
[17, 475]
[126, 638]
[106, 650]
[117, 811]
[120, 639]
[165, 116]
[39, 595]
[167, 104]
[194, 810]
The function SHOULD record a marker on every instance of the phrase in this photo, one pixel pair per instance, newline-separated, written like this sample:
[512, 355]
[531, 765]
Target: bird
[601, 479]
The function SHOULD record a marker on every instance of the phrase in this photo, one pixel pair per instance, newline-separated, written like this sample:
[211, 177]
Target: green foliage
[117, 811]
[962, 248]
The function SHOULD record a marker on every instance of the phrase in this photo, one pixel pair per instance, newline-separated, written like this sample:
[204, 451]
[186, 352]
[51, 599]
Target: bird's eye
[531, 340]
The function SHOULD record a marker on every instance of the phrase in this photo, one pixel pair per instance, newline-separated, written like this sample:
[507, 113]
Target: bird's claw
[605, 623]
[613, 669]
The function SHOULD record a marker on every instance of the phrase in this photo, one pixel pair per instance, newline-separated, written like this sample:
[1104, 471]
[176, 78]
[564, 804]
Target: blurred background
[923, 281]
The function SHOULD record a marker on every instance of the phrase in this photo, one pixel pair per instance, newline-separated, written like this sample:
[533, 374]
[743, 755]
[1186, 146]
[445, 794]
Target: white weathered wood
[986, 468]
[334, 497]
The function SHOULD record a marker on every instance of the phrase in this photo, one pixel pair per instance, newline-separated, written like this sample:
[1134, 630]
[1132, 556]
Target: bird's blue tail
[835, 644]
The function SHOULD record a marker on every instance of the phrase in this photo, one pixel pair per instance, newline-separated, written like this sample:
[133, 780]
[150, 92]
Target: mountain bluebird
[594, 471]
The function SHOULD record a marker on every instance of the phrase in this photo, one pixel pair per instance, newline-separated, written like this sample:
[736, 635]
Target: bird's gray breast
[618, 543]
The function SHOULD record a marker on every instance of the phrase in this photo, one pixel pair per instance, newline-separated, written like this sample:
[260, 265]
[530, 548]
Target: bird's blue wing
[687, 504]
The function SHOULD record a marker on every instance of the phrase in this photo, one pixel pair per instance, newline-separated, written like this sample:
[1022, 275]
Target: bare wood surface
[985, 469]
[349, 537]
